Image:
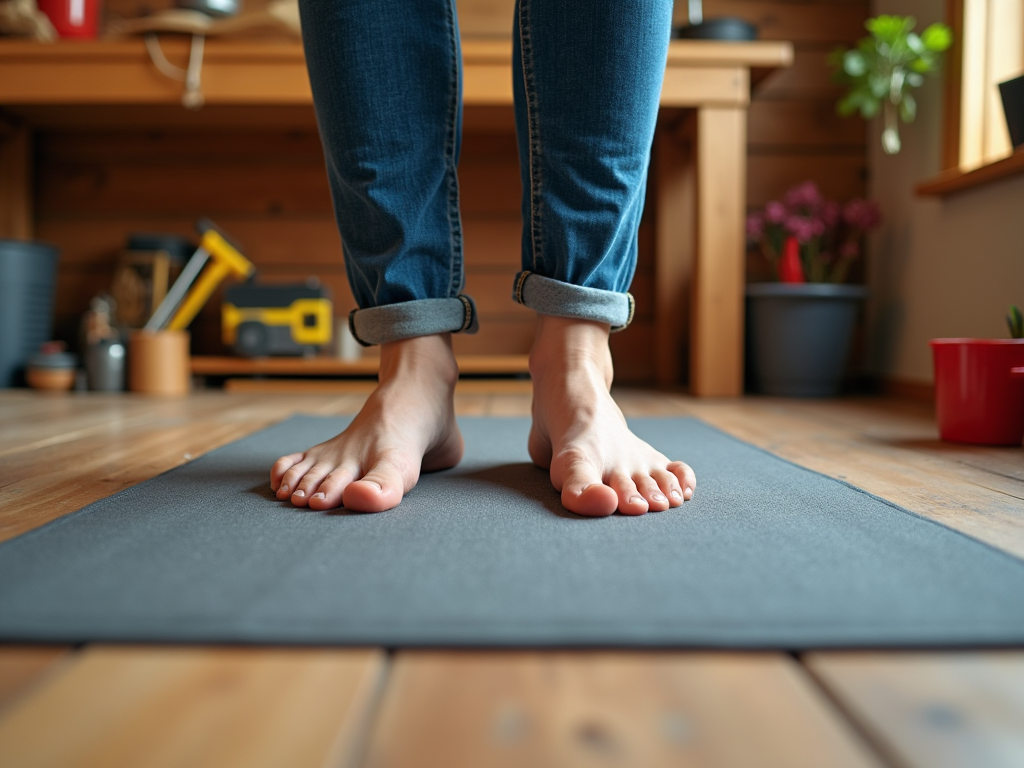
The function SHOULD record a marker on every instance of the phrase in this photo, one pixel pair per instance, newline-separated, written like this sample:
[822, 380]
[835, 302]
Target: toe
[310, 484]
[648, 487]
[582, 489]
[687, 480]
[630, 500]
[329, 494]
[290, 479]
[378, 490]
[669, 485]
[281, 466]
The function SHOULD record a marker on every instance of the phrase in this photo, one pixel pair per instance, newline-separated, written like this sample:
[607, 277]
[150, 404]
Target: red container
[73, 18]
[979, 396]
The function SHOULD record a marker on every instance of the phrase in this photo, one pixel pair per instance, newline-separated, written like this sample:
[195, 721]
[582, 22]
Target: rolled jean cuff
[408, 319]
[553, 297]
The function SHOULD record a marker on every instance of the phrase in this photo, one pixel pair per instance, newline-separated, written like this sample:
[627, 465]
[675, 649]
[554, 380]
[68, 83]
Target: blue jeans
[386, 79]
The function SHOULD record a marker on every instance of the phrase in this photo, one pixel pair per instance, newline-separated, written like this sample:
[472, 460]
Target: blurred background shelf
[94, 144]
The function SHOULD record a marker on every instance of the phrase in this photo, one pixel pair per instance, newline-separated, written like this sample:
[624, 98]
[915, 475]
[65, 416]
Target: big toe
[378, 490]
[585, 494]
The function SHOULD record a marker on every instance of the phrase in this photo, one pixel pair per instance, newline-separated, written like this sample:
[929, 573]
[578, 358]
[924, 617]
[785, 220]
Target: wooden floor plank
[195, 707]
[22, 666]
[137, 438]
[454, 709]
[933, 710]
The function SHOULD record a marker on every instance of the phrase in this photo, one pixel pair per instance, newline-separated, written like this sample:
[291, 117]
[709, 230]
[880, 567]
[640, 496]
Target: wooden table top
[143, 706]
[246, 72]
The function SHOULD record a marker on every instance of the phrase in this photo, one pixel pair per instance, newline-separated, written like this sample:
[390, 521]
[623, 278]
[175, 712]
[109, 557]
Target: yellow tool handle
[198, 296]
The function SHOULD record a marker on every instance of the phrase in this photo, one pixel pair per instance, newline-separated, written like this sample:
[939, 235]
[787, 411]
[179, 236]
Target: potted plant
[884, 67]
[979, 387]
[799, 329]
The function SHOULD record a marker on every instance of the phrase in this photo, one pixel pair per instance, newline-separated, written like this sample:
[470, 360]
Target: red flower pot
[979, 390]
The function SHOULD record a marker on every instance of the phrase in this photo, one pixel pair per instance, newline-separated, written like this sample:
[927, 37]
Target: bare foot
[580, 434]
[407, 425]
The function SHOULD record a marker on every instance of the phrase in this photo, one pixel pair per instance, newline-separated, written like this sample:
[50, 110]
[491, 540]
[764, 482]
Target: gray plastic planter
[798, 336]
[28, 273]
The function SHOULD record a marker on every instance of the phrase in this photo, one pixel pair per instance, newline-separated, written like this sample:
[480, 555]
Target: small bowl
[52, 371]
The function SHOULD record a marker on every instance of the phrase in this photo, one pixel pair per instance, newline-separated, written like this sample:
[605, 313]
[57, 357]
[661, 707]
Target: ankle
[427, 360]
[567, 346]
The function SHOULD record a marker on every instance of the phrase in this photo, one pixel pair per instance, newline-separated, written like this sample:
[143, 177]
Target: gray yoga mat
[767, 555]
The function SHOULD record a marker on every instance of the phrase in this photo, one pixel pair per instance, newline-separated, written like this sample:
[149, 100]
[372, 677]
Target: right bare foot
[406, 426]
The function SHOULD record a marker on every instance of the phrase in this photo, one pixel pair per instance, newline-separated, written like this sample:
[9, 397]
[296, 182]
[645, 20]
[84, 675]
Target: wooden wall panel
[809, 77]
[841, 175]
[804, 123]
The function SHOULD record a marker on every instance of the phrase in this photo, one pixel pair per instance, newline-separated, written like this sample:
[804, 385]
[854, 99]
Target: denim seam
[519, 285]
[532, 129]
[352, 328]
[629, 317]
[468, 316]
[454, 222]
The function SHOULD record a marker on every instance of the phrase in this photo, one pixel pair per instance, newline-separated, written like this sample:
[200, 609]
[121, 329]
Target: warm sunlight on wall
[993, 51]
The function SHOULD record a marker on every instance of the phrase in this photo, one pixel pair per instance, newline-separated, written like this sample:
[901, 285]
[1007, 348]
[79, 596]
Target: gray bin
[798, 336]
[28, 275]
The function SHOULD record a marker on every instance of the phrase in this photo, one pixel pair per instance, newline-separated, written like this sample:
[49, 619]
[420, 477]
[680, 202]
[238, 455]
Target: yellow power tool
[194, 286]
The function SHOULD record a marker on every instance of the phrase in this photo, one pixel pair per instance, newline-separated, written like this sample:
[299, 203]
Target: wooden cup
[159, 363]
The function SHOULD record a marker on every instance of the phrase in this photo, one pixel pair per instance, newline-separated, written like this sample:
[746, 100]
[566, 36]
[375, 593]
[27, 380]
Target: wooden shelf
[477, 365]
[956, 180]
[237, 72]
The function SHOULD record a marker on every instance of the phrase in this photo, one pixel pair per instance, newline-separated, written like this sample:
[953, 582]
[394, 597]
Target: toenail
[676, 494]
[283, 489]
[689, 493]
[374, 483]
[300, 493]
[637, 500]
[319, 496]
[657, 497]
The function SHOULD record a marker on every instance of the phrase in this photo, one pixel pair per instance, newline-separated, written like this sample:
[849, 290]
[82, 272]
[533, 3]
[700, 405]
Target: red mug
[979, 390]
[73, 18]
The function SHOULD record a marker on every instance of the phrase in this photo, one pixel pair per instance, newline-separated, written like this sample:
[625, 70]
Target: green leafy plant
[884, 67]
[1016, 322]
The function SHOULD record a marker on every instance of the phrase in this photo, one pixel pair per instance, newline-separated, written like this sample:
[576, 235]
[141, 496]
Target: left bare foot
[580, 434]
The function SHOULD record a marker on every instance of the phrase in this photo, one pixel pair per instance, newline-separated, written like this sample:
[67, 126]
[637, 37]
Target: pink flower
[802, 228]
[830, 213]
[862, 214]
[806, 195]
[755, 226]
[774, 212]
[829, 234]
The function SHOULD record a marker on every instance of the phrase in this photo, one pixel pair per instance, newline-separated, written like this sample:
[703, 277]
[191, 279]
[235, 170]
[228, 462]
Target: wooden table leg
[716, 336]
[675, 205]
[15, 180]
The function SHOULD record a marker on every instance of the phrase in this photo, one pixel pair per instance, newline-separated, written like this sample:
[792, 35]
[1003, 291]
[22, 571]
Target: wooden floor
[222, 707]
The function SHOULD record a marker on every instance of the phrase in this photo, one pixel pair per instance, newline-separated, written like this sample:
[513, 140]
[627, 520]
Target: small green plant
[883, 68]
[1016, 322]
